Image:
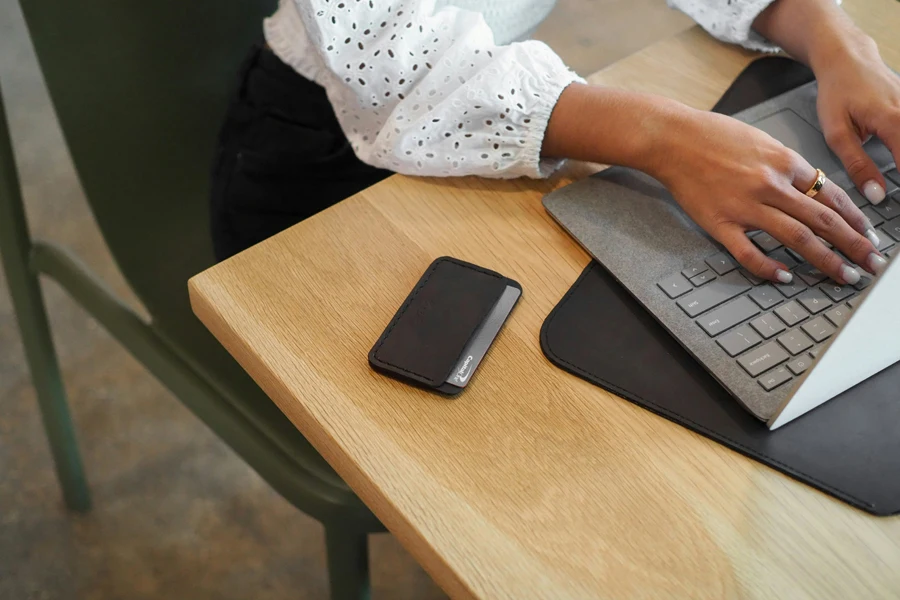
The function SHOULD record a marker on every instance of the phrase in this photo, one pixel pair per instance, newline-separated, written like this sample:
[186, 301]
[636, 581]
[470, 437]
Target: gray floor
[176, 514]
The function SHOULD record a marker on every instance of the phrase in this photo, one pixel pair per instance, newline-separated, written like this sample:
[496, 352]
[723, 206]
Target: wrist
[613, 127]
[816, 32]
[839, 44]
[662, 136]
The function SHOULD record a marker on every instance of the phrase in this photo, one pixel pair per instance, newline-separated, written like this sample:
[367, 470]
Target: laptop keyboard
[775, 331]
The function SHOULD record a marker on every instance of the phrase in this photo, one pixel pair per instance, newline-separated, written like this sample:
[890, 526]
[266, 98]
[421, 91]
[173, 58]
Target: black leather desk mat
[848, 448]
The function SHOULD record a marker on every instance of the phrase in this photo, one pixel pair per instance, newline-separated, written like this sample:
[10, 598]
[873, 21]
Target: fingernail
[849, 275]
[877, 263]
[873, 191]
[784, 277]
[873, 237]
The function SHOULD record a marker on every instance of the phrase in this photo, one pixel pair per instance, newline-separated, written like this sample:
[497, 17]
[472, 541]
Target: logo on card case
[464, 371]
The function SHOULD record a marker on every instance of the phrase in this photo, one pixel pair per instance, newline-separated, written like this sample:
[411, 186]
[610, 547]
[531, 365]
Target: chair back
[140, 89]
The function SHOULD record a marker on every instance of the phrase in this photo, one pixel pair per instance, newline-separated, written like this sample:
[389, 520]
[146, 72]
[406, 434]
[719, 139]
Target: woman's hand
[732, 178]
[728, 176]
[859, 97]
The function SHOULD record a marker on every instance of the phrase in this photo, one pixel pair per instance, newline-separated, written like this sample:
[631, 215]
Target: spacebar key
[713, 294]
[726, 317]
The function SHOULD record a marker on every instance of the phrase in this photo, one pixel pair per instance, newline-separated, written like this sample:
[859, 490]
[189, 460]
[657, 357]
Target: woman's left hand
[859, 96]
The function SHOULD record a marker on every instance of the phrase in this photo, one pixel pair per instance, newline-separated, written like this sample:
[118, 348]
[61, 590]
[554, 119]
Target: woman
[347, 91]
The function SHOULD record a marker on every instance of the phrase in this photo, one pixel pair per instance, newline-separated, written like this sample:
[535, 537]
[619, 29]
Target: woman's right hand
[732, 178]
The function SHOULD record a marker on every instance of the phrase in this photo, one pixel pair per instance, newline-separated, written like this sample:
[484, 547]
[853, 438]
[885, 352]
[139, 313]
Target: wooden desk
[534, 483]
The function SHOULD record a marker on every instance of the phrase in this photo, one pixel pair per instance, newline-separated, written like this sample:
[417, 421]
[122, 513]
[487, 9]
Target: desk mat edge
[726, 441]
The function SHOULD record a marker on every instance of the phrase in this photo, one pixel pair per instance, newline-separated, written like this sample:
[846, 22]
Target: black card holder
[431, 329]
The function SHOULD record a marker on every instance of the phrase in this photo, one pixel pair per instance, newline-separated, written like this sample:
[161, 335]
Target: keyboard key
[675, 286]
[765, 296]
[873, 216]
[844, 258]
[702, 278]
[753, 279]
[810, 274]
[791, 313]
[864, 282]
[799, 365]
[766, 242]
[838, 315]
[795, 342]
[893, 228]
[891, 187]
[818, 329]
[889, 209]
[893, 175]
[858, 198]
[814, 300]
[773, 379]
[713, 294]
[815, 352]
[727, 316]
[885, 239]
[838, 292]
[721, 263]
[789, 290]
[767, 325]
[854, 302]
[782, 256]
[760, 360]
[695, 270]
[796, 256]
[735, 342]
[890, 253]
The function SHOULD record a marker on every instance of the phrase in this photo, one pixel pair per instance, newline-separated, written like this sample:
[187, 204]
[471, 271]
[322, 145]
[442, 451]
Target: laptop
[780, 350]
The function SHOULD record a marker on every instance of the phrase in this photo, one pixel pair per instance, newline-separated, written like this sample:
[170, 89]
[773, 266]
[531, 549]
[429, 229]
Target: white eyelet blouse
[442, 90]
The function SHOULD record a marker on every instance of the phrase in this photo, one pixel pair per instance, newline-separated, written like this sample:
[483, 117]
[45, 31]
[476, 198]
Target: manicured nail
[877, 263]
[783, 276]
[873, 237]
[873, 191]
[849, 275]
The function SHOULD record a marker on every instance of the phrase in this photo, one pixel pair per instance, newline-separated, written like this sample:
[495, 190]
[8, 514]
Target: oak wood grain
[533, 483]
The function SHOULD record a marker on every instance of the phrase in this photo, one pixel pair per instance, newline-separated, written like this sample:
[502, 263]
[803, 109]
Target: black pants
[281, 156]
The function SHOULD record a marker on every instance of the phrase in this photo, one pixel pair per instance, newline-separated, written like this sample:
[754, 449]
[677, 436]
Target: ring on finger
[818, 184]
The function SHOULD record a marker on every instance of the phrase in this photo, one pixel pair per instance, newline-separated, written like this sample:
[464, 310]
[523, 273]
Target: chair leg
[29, 306]
[28, 302]
[348, 564]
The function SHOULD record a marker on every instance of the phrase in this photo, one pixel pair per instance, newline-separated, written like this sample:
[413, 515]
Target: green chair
[139, 89]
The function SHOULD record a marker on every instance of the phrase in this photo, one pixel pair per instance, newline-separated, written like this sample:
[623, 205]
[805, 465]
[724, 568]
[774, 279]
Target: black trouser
[281, 156]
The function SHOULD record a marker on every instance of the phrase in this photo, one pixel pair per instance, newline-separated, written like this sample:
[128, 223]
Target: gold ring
[817, 186]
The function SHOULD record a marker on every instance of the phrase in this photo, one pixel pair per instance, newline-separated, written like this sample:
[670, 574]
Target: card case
[426, 337]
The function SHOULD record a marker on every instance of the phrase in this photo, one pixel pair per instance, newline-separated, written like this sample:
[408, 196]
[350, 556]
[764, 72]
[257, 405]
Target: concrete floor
[176, 514]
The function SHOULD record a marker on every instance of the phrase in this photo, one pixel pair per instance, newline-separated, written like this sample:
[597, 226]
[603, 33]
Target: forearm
[611, 126]
[815, 32]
